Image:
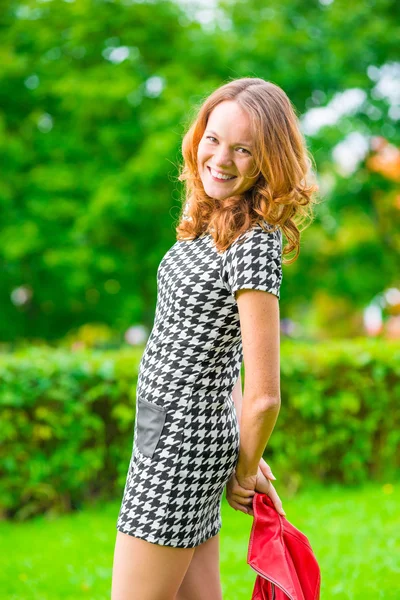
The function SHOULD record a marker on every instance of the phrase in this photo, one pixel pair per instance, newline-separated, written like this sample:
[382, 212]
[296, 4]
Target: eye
[213, 139]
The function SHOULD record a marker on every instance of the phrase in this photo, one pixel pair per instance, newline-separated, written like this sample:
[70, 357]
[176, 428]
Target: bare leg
[147, 571]
[202, 580]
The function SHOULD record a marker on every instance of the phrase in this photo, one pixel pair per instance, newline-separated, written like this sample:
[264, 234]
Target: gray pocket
[150, 420]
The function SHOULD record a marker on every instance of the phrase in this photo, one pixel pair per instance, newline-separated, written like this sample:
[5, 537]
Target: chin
[215, 191]
[217, 195]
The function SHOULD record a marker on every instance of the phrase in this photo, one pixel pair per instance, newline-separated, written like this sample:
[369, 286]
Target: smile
[220, 176]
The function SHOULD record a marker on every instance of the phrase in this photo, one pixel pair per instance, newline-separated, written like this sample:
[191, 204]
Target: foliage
[65, 418]
[340, 418]
[95, 97]
[67, 421]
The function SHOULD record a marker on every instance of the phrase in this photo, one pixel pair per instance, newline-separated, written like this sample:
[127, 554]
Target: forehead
[229, 120]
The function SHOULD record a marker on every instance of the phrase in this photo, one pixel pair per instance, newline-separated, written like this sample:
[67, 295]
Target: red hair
[281, 195]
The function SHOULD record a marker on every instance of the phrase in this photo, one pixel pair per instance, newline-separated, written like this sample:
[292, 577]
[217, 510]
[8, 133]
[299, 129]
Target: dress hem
[203, 539]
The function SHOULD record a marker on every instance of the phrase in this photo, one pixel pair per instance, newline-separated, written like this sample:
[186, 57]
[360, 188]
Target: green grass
[355, 534]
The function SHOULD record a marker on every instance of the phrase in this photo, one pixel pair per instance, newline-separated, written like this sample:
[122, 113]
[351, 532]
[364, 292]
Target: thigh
[202, 580]
[147, 571]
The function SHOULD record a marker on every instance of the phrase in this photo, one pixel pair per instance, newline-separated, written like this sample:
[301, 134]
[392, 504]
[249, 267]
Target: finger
[239, 491]
[266, 470]
[237, 506]
[247, 511]
[241, 500]
[263, 485]
[276, 500]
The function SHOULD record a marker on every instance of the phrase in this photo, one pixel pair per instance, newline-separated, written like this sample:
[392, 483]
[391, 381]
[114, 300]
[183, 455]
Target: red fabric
[281, 555]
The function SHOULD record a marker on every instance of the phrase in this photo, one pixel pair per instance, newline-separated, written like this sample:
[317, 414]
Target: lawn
[355, 534]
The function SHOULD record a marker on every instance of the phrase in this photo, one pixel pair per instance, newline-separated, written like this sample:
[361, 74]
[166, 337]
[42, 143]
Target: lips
[232, 177]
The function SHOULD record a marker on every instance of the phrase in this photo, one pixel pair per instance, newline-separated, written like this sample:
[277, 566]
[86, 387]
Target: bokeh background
[95, 96]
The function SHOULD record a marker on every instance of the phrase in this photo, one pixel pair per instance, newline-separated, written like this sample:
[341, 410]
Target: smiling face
[227, 149]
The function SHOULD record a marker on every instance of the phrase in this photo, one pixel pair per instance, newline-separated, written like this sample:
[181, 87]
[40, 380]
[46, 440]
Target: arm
[237, 396]
[259, 407]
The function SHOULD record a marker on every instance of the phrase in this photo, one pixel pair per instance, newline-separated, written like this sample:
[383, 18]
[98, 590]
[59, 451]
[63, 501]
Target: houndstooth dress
[186, 435]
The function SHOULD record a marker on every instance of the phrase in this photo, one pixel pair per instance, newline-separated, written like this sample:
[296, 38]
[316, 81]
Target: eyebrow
[239, 143]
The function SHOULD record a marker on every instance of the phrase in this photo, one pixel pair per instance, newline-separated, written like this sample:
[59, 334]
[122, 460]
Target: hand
[264, 486]
[238, 496]
[266, 469]
[240, 491]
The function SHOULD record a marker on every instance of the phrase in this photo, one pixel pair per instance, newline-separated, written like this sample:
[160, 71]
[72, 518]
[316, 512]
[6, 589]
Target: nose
[222, 156]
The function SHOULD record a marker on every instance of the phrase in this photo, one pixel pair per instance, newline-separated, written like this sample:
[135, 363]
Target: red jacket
[281, 555]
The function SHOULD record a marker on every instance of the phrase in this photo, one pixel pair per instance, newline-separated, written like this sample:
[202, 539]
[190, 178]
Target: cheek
[201, 160]
[250, 170]
[202, 154]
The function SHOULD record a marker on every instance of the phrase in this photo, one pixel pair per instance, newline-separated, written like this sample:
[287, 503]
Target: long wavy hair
[286, 188]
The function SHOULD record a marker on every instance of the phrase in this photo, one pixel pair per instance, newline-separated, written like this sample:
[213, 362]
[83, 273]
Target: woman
[245, 168]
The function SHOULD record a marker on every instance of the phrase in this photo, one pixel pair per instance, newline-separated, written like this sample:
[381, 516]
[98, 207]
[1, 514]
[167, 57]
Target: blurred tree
[339, 64]
[94, 98]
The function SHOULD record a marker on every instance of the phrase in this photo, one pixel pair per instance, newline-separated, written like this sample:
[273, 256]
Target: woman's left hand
[266, 469]
[264, 486]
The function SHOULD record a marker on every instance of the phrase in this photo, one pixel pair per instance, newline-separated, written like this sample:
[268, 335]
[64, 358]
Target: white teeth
[219, 176]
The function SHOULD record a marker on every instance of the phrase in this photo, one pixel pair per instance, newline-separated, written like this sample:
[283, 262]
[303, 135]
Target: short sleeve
[254, 261]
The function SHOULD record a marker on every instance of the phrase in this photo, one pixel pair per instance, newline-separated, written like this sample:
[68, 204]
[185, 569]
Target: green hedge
[66, 421]
[66, 427]
[340, 412]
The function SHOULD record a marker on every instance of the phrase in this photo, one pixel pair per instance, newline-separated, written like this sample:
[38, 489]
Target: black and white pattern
[188, 441]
